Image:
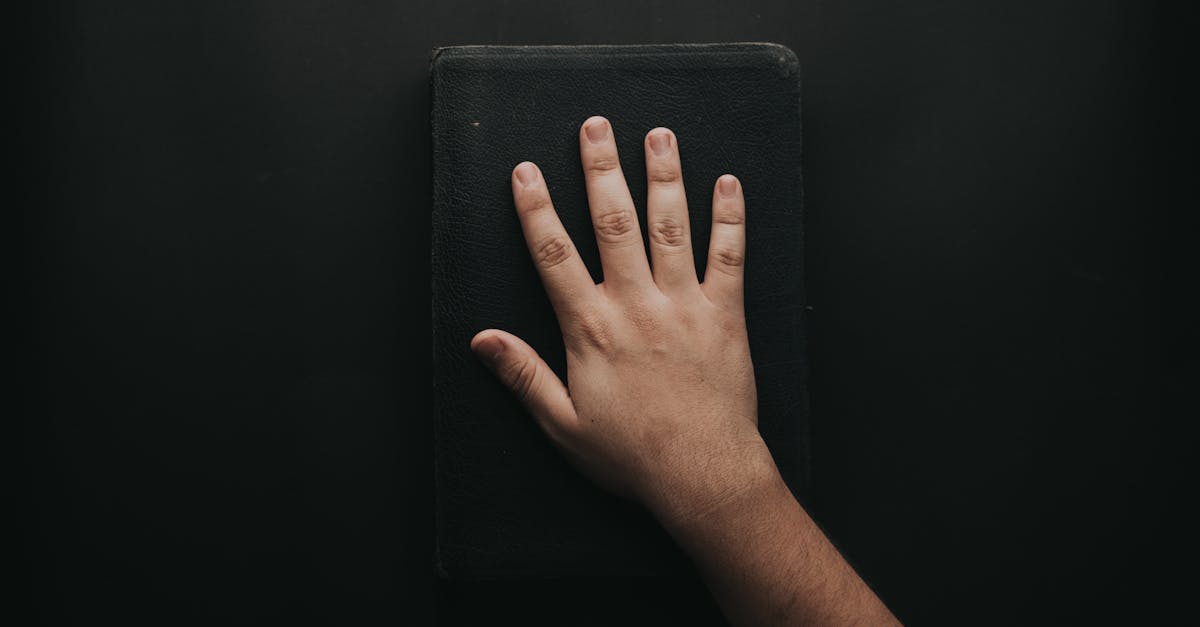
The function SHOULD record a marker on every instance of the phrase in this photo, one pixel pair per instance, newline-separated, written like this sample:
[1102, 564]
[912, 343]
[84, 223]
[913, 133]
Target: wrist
[737, 481]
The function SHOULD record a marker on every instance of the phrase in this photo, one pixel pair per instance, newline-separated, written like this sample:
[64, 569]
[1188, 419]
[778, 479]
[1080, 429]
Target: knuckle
[593, 328]
[729, 216]
[615, 224]
[523, 379]
[552, 251]
[601, 164]
[729, 258]
[663, 174]
[536, 203]
[668, 232]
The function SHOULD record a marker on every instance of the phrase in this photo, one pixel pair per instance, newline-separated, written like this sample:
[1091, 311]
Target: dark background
[223, 311]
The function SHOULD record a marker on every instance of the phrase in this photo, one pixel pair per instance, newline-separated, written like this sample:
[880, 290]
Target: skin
[660, 403]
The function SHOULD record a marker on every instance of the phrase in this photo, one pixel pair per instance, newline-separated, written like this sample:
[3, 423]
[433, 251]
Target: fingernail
[727, 186]
[526, 173]
[597, 130]
[490, 348]
[660, 142]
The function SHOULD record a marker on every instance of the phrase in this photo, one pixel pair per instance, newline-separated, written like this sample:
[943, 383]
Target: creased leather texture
[507, 503]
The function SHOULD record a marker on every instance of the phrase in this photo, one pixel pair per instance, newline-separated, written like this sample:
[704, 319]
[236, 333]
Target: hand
[660, 403]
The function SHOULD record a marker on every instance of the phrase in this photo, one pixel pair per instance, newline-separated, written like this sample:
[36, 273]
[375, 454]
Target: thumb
[520, 368]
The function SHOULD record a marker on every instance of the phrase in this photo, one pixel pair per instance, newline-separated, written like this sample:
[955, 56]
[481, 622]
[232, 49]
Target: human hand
[660, 403]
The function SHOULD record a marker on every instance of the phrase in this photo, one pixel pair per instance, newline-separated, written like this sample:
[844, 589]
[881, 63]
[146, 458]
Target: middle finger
[618, 236]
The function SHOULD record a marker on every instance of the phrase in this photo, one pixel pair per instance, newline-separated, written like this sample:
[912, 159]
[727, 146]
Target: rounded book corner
[784, 57]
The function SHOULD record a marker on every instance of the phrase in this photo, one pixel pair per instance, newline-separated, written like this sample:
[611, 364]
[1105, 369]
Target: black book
[507, 503]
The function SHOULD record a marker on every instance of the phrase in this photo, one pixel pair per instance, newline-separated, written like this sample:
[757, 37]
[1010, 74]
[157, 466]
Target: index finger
[566, 279]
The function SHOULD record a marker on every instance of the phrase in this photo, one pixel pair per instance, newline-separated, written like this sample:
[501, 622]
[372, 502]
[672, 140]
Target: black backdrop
[224, 284]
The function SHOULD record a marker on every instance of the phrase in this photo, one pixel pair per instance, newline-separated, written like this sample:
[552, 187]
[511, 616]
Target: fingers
[674, 269]
[618, 236]
[727, 245]
[520, 368]
[567, 281]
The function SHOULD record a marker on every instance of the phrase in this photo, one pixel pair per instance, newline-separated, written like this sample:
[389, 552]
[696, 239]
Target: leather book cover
[508, 504]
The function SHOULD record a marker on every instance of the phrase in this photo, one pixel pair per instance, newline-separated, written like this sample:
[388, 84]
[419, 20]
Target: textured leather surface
[508, 505]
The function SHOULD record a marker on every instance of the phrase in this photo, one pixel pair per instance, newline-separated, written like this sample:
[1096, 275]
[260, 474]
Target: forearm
[765, 559]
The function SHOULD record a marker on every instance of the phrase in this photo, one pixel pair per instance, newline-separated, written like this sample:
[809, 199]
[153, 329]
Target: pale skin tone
[660, 403]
